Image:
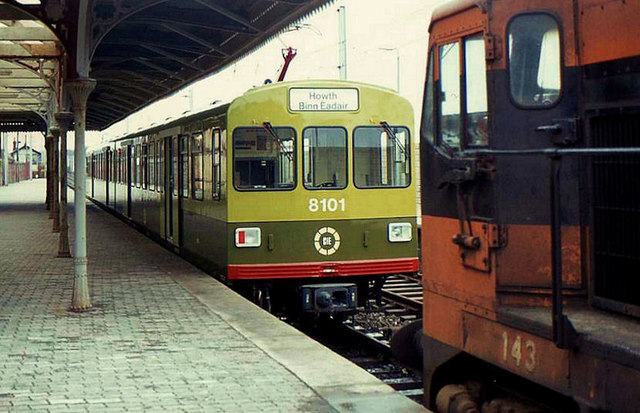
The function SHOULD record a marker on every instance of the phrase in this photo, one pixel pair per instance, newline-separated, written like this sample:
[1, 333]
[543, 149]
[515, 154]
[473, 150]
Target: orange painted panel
[529, 356]
[442, 319]
[526, 259]
[460, 24]
[609, 29]
[443, 266]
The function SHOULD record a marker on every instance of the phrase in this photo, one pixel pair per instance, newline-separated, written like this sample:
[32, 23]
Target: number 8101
[326, 205]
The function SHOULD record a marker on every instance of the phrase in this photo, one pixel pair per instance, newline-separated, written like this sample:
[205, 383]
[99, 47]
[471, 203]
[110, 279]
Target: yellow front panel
[271, 104]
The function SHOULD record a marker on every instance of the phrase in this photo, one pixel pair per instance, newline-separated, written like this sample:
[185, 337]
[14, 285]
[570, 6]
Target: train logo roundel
[326, 241]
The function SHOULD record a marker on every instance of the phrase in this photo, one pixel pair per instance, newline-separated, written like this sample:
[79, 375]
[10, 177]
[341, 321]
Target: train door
[532, 87]
[172, 187]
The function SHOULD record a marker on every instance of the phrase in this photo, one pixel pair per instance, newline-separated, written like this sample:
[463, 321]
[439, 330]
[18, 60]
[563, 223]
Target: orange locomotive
[531, 206]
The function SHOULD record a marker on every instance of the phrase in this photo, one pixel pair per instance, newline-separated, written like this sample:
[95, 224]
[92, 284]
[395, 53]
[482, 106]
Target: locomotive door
[532, 84]
[172, 186]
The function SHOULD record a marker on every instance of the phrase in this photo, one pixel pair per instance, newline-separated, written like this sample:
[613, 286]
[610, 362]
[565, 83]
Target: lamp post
[17, 158]
[395, 49]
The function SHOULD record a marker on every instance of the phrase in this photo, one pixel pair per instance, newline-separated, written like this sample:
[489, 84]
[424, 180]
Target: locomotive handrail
[551, 151]
[564, 335]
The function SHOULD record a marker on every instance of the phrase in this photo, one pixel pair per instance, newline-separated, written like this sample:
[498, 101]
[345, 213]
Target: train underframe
[330, 296]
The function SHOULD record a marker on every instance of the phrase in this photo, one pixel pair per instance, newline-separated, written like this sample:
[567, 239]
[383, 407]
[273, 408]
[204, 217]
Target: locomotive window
[450, 95]
[325, 158]
[197, 175]
[216, 164]
[476, 124]
[184, 159]
[264, 158]
[381, 156]
[427, 118]
[534, 60]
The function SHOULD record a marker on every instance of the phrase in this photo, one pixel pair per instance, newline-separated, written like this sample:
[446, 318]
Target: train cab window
[475, 75]
[197, 167]
[184, 160]
[325, 158]
[264, 158]
[534, 60]
[381, 156]
[450, 95]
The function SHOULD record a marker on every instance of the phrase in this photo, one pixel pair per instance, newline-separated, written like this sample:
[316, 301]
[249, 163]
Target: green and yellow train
[301, 192]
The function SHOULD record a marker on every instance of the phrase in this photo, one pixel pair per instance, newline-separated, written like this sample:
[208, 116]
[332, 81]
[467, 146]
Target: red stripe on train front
[322, 269]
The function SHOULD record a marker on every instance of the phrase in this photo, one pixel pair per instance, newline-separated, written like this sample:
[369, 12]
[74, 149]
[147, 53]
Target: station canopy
[141, 50]
[29, 70]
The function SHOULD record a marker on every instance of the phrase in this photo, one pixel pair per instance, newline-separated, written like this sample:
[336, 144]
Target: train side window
[216, 180]
[145, 166]
[184, 158]
[381, 156]
[264, 158]
[534, 60]
[152, 166]
[160, 165]
[197, 167]
[136, 165]
[475, 74]
[449, 56]
[325, 158]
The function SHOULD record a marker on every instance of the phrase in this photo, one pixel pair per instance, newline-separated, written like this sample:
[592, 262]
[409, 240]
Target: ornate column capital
[79, 90]
[64, 120]
[54, 132]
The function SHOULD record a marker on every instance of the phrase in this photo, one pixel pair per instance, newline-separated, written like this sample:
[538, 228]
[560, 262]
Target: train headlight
[400, 232]
[248, 237]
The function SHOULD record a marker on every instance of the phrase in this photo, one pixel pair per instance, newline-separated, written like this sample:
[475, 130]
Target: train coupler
[329, 298]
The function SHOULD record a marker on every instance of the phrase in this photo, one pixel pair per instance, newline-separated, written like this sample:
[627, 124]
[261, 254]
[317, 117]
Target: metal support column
[342, 42]
[47, 145]
[55, 184]
[79, 90]
[5, 159]
[64, 120]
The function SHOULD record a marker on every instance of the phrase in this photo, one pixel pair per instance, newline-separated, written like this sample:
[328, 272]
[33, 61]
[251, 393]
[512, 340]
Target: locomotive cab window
[325, 158]
[450, 95]
[264, 158]
[463, 107]
[534, 60]
[381, 156]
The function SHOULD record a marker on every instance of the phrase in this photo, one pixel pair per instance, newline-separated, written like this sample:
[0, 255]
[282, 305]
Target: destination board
[323, 99]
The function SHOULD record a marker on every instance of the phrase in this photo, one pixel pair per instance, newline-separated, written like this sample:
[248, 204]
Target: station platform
[161, 336]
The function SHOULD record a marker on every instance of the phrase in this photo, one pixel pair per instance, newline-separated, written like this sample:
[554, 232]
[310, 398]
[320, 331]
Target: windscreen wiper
[274, 135]
[391, 134]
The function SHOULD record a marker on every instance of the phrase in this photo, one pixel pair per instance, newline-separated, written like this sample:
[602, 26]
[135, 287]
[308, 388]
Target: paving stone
[146, 345]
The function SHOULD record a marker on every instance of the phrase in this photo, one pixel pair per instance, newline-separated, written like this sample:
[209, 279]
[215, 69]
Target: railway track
[373, 327]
